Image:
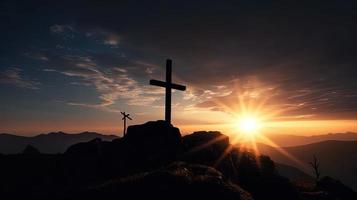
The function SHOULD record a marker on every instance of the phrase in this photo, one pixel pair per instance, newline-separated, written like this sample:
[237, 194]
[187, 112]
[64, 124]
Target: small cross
[168, 85]
[125, 116]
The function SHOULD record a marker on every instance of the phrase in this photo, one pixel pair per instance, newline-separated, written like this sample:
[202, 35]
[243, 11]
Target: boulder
[206, 139]
[153, 141]
[204, 147]
[154, 131]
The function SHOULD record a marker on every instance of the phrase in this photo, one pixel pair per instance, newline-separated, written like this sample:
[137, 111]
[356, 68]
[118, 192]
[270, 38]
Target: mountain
[337, 158]
[54, 142]
[295, 140]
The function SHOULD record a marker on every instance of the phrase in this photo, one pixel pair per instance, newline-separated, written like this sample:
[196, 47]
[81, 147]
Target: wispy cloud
[14, 77]
[59, 29]
[111, 39]
[112, 84]
[37, 56]
[97, 34]
[63, 30]
[104, 36]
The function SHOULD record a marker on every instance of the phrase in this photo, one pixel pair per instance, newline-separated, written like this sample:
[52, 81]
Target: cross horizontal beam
[167, 85]
[126, 117]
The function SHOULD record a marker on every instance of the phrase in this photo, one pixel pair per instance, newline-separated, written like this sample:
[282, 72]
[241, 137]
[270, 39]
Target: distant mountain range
[58, 142]
[294, 140]
[54, 142]
[337, 158]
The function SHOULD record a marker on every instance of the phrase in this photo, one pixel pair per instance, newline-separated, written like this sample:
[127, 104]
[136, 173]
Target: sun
[248, 125]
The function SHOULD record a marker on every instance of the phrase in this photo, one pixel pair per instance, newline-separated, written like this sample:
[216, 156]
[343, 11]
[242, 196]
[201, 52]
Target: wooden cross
[168, 85]
[125, 116]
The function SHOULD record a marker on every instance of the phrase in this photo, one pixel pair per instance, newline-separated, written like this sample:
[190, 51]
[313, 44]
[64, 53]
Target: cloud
[104, 36]
[59, 29]
[13, 76]
[111, 39]
[101, 35]
[112, 84]
[65, 31]
[37, 56]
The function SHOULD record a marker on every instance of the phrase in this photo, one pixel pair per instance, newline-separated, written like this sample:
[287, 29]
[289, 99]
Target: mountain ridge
[53, 142]
[297, 140]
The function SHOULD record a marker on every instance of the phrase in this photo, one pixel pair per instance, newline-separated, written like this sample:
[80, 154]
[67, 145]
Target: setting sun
[248, 125]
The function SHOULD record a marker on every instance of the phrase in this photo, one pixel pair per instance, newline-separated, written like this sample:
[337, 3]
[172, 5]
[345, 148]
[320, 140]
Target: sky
[74, 65]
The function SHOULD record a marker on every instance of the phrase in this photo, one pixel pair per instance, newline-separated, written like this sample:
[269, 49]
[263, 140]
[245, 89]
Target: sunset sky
[74, 65]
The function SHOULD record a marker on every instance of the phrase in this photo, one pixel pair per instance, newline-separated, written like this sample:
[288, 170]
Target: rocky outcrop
[156, 141]
[176, 181]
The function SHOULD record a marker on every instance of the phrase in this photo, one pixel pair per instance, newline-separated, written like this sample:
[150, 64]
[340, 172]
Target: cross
[168, 85]
[125, 116]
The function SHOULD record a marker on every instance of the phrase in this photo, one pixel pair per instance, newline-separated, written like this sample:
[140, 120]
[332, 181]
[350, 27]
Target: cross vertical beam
[124, 131]
[125, 116]
[168, 90]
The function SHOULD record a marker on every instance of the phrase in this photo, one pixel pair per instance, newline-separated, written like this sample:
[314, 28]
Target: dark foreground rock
[336, 189]
[176, 181]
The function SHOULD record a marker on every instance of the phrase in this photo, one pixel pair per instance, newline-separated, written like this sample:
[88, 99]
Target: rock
[335, 189]
[30, 150]
[204, 147]
[177, 181]
[204, 139]
[154, 141]
[154, 131]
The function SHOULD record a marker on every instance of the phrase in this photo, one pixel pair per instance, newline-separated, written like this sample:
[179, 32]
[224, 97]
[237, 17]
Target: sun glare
[251, 118]
[248, 125]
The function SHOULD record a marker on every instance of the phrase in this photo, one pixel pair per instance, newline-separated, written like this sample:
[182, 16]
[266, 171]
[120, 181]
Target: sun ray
[226, 151]
[205, 145]
[282, 151]
[250, 116]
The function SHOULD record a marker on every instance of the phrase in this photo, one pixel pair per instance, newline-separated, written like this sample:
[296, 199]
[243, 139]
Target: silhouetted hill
[151, 161]
[285, 140]
[54, 142]
[292, 173]
[30, 150]
[336, 158]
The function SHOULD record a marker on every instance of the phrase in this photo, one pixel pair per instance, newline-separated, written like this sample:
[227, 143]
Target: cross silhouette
[168, 85]
[125, 116]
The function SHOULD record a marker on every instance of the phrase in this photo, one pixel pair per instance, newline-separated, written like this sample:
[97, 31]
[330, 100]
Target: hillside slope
[337, 158]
